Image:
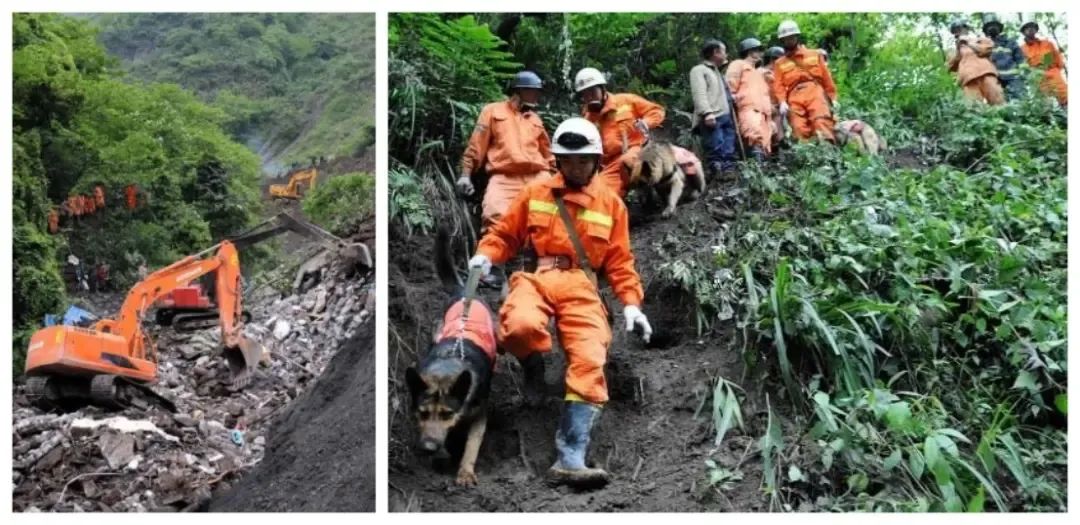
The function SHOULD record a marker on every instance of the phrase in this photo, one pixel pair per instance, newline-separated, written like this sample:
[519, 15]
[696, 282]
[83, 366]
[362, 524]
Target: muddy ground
[321, 456]
[656, 432]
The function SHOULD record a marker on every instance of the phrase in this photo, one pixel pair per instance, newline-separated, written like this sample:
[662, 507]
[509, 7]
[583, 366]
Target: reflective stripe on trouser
[985, 88]
[616, 174]
[500, 192]
[580, 320]
[809, 112]
[756, 129]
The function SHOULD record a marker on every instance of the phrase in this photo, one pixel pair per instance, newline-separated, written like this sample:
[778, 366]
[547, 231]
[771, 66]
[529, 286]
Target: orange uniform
[802, 79]
[88, 204]
[54, 221]
[1053, 83]
[131, 196]
[513, 148]
[753, 102]
[74, 204]
[621, 139]
[601, 222]
[975, 73]
[99, 196]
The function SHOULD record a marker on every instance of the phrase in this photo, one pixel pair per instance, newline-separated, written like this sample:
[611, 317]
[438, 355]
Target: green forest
[189, 110]
[901, 320]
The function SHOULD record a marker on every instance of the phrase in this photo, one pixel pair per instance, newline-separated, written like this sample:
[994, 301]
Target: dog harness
[687, 161]
[478, 326]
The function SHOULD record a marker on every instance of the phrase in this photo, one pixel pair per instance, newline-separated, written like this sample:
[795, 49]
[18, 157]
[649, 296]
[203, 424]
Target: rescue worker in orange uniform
[560, 287]
[1042, 54]
[510, 143]
[975, 72]
[752, 98]
[99, 197]
[804, 86]
[778, 127]
[131, 196]
[74, 203]
[624, 120]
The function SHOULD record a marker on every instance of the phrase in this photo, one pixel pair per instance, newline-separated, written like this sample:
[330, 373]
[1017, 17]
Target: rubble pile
[146, 458]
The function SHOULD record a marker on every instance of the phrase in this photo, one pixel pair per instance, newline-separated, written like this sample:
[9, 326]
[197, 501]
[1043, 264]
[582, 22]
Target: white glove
[784, 108]
[634, 317]
[482, 262]
[465, 185]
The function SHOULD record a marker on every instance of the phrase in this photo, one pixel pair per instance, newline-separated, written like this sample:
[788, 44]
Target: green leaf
[898, 416]
[976, 504]
[1027, 381]
[795, 474]
[1061, 401]
[932, 451]
[893, 460]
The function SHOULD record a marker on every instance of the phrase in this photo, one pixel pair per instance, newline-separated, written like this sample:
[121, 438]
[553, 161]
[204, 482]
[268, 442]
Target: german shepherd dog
[668, 171]
[449, 388]
[861, 134]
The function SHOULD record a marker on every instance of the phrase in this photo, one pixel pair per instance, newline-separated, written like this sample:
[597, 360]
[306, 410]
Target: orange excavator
[111, 361]
[291, 191]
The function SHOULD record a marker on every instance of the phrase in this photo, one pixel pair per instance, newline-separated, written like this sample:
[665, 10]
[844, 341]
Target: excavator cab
[291, 191]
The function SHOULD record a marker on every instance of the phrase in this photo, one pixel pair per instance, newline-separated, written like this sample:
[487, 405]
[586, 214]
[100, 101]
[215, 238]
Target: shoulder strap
[583, 258]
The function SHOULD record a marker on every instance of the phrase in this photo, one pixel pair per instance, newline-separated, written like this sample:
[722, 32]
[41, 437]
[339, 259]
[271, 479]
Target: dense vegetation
[77, 124]
[907, 313]
[342, 203]
[293, 85]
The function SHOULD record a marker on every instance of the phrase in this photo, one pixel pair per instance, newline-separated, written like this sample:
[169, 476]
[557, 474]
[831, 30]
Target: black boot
[535, 387]
[757, 154]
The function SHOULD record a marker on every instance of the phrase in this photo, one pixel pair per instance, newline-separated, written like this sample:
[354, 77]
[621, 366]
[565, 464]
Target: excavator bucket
[242, 356]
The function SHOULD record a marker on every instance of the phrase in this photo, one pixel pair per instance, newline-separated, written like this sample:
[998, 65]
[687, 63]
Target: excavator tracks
[103, 390]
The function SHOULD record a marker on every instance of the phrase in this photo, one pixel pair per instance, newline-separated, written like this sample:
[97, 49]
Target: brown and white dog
[670, 171]
[861, 134]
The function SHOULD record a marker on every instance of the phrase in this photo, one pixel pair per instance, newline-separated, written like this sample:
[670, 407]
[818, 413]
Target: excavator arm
[225, 261]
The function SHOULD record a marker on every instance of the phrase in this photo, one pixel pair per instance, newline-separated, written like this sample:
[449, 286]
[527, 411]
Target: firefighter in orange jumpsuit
[560, 287]
[74, 203]
[624, 120]
[975, 73]
[1043, 54]
[752, 98]
[511, 144]
[131, 196]
[804, 86]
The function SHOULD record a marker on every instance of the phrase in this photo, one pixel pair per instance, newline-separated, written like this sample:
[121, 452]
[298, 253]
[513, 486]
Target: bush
[342, 203]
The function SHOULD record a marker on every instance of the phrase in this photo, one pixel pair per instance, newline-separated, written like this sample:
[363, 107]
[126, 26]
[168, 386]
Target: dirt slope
[322, 450]
[648, 436]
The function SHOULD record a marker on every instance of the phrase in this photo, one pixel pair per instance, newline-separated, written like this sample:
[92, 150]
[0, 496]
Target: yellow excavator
[291, 191]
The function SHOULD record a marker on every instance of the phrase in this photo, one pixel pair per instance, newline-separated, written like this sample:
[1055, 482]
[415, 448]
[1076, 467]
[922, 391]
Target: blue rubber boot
[571, 445]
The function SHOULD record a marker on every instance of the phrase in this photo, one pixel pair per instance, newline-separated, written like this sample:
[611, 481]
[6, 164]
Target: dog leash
[467, 297]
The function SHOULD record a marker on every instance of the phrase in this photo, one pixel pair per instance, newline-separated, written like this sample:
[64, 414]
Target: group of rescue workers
[988, 68]
[562, 198]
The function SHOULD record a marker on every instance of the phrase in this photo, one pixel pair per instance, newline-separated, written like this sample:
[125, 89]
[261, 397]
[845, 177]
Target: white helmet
[788, 28]
[587, 78]
[577, 136]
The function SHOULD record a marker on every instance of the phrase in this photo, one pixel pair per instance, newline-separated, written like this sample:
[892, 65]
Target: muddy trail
[654, 435]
